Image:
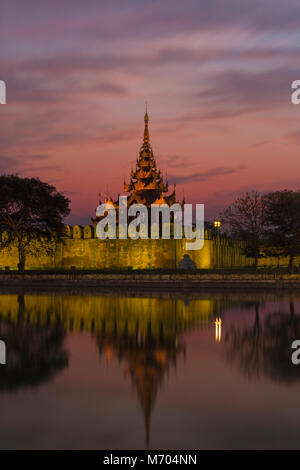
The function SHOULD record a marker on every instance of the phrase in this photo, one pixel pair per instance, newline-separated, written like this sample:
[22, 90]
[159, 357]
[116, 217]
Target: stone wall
[82, 249]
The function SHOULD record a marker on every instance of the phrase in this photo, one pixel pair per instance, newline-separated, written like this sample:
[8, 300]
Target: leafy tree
[30, 211]
[245, 220]
[283, 224]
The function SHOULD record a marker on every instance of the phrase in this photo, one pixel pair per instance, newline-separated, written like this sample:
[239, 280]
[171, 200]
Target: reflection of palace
[147, 358]
[145, 334]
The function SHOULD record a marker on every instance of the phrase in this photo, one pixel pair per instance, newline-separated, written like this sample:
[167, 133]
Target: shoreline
[150, 282]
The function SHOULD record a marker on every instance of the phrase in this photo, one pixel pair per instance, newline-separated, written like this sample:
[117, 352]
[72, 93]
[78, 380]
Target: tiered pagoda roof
[147, 185]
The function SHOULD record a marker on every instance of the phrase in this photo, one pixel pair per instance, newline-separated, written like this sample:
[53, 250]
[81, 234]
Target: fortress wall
[81, 249]
[101, 254]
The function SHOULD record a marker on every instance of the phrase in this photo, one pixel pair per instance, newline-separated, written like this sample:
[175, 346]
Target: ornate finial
[146, 131]
[146, 117]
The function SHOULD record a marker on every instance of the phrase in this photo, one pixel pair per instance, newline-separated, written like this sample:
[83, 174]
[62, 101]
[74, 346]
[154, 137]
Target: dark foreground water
[127, 372]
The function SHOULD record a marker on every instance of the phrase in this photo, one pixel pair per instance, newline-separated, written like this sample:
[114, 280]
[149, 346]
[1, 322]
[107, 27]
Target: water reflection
[35, 354]
[218, 329]
[147, 356]
[147, 336]
[264, 348]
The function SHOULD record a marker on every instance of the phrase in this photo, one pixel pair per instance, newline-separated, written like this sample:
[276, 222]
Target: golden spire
[146, 131]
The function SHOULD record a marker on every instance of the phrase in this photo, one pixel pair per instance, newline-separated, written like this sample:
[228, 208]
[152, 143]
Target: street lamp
[217, 224]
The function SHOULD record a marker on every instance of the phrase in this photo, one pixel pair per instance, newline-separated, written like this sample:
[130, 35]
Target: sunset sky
[216, 75]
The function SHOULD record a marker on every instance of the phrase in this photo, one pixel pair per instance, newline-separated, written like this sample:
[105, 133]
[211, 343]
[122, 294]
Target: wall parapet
[82, 249]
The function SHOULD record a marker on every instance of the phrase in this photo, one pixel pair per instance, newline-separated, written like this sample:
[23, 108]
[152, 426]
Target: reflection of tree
[147, 356]
[142, 331]
[280, 331]
[266, 349]
[246, 346]
[34, 352]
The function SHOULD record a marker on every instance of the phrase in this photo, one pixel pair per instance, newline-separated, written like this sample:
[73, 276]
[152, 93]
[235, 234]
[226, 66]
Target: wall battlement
[81, 248]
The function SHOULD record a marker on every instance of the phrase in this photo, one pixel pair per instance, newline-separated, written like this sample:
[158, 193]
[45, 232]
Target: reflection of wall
[89, 312]
[144, 333]
[82, 250]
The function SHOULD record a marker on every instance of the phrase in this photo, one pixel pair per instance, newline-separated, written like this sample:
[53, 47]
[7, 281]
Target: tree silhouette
[246, 346]
[283, 224]
[280, 330]
[30, 211]
[245, 220]
[265, 349]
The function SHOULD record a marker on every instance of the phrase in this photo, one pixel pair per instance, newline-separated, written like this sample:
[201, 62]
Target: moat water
[207, 371]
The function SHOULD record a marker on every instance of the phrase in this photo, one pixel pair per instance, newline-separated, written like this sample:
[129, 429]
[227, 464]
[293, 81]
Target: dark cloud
[228, 196]
[59, 74]
[51, 84]
[203, 176]
[39, 156]
[110, 89]
[22, 164]
[241, 91]
[8, 164]
[294, 136]
[41, 169]
[176, 161]
[47, 72]
[31, 89]
[262, 143]
[144, 18]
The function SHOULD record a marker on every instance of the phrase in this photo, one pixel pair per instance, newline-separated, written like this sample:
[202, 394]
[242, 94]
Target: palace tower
[146, 185]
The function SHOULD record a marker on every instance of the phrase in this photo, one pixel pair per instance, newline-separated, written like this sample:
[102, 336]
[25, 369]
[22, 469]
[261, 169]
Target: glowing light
[218, 329]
